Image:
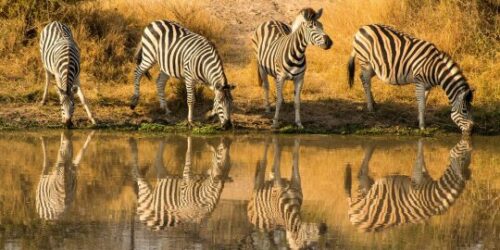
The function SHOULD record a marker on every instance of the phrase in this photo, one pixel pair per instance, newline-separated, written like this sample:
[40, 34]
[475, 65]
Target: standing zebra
[61, 59]
[399, 59]
[180, 200]
[275, 204]
[280, 51]
[56, 189]
[182, 54]
[400, 199]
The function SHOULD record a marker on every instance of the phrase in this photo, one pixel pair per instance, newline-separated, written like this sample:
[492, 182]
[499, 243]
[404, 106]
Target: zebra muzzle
[328, 42]
[68, 123]
[226, 125]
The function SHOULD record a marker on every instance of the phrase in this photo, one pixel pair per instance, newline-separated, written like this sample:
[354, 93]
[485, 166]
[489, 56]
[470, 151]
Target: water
[103, 190]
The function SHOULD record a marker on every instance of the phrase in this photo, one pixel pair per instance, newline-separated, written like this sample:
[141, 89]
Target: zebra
[180, 200]
[398, 58]
[280, 51]
[61, 59]
[57, 186]
[182, 54]
[399, 199]
[275, 204]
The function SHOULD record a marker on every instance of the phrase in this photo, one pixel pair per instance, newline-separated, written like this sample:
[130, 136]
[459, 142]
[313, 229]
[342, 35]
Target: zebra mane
[306, 14]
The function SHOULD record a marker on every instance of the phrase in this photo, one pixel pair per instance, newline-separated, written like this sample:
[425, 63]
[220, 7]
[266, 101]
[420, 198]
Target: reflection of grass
[180, 128]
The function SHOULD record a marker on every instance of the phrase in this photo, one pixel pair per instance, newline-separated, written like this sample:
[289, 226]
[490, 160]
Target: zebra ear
[318, 14]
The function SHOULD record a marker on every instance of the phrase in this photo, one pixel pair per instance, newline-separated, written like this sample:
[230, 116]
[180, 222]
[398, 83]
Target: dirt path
[243, 20]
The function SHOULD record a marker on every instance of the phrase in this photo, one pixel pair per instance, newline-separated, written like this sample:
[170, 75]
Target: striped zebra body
[56, 190]
[280, 52]
[186, 55]
[275, 204]
[57, 187]
[186, 199]
[61, 59]
[397, 200]
[399, 59]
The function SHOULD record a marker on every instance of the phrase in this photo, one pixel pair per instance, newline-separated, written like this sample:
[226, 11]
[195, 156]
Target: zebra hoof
[42, 103]
[275, 125]
[190, 125]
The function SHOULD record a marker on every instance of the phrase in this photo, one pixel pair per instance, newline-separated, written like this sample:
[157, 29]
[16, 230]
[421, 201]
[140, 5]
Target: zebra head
[67, 104]
[223, 101]
[307, 236]
[461, 112]
[313, 29]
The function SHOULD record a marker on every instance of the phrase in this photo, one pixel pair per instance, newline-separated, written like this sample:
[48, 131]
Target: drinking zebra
[182, 54]
[275, 204]
[399, 59]
[280, 51]
[180, 199]
[61, 59]
[400, 199]
[57, 186]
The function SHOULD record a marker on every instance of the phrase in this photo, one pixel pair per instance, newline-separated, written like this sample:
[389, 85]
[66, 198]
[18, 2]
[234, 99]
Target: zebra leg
[276, 175]
[295, 165]
[366, 76]
[45, 159]
[186, 172]
[265, 86]
[160, 167]
[260, 172]
[298, 82]
[82, 100]
[365, 181]
[279, 100]
[79, 156]
[141, 69]
[160, 87]
[132, 142]
[420, 174]
[46, 88]
[190, 100]
[421, 93]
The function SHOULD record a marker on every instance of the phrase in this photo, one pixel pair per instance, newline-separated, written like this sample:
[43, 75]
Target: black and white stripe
[280, 51]
[56, 189]
[181, 199]
[276, 204]
[399, 59]
[400, 199]
[61, 59]
[182, 54]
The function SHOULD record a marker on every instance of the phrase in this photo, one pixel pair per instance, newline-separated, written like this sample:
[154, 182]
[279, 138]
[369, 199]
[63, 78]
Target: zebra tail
[138, 59]
[348, 181]
[350, 69]
[259, 80]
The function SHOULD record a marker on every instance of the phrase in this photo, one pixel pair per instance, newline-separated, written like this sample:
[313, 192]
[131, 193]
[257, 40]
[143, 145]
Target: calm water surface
[102, 190]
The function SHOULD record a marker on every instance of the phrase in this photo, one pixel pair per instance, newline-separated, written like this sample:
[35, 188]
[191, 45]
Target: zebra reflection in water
[56, 189]
[180, 199]
[400, 199]
[275, 207]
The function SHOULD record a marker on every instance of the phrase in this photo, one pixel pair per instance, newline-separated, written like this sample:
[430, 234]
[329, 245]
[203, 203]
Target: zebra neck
[444, 72]
[297, 43]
